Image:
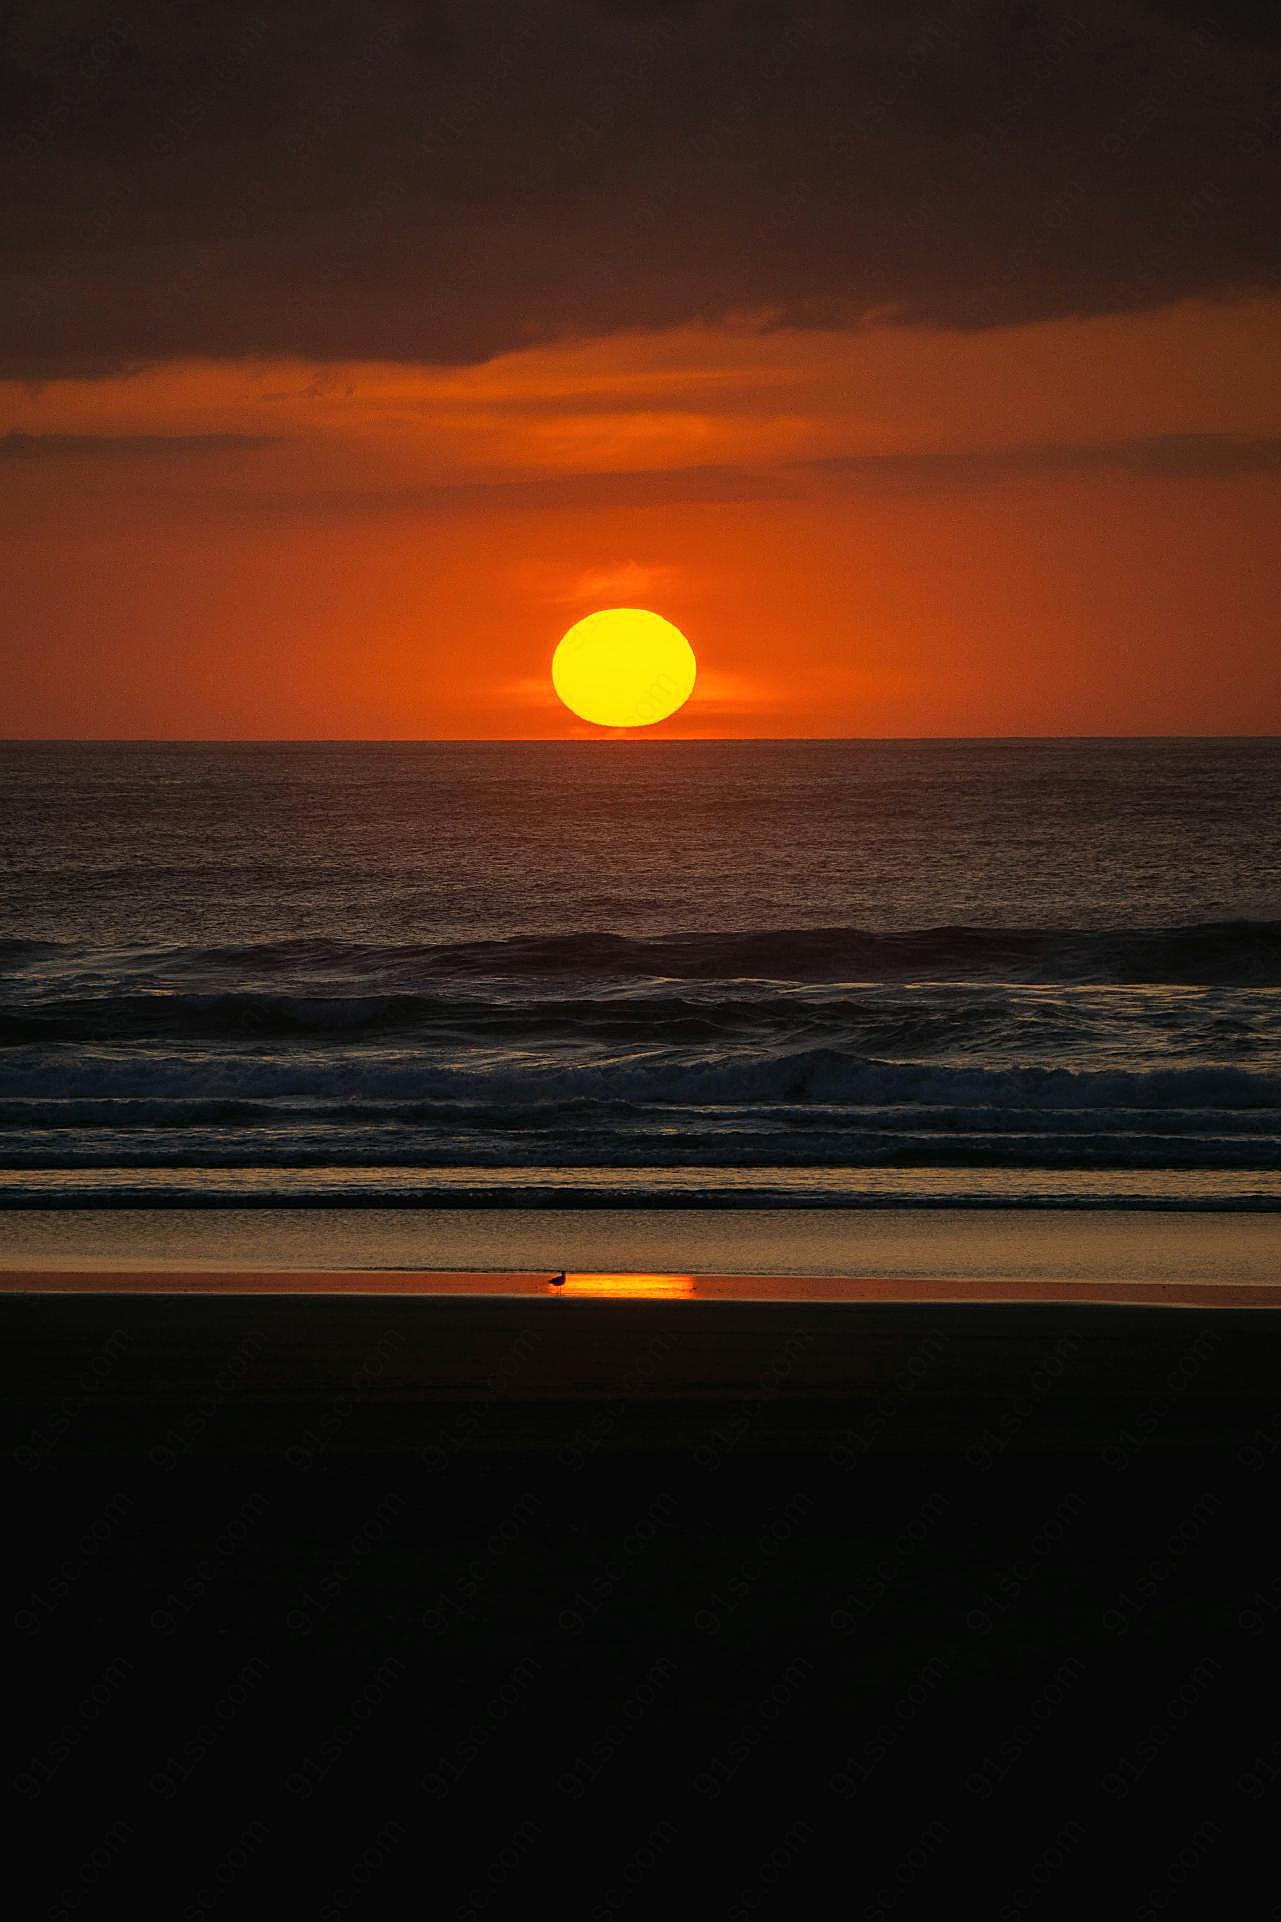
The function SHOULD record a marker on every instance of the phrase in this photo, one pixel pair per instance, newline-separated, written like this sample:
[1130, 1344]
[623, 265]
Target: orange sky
[1064, 528]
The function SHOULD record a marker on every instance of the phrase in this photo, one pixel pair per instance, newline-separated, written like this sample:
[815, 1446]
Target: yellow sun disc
[624, 667]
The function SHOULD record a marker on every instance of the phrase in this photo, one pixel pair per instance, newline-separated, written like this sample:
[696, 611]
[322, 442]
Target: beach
[883, 1590]
[665, 1361]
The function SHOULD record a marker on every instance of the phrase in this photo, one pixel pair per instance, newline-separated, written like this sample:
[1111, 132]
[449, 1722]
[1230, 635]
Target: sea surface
[891, 975]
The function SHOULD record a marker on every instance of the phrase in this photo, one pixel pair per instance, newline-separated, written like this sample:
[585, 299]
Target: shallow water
[1042, 1248]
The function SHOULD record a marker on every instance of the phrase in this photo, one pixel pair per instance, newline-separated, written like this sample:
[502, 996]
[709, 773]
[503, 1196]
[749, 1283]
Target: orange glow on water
[627, 1287]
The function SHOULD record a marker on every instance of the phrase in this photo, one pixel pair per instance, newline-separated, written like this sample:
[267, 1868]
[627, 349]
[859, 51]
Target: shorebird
[558, 1281]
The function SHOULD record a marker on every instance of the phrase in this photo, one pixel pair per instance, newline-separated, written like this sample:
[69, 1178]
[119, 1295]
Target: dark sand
[625, 1607]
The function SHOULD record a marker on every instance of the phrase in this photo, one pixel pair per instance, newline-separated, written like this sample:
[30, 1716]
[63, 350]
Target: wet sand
[667, 1355]
[1012, 1245]
[656, 1602]
[1146, 1291]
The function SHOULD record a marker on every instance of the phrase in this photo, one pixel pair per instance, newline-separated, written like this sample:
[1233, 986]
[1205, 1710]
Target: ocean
[864, 974]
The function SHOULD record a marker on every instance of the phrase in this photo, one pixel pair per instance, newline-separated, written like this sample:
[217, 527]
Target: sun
[624, 667]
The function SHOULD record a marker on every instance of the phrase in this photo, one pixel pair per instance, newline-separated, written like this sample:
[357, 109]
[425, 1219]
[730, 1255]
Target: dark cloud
[98, 446]
[649, 487]
[1158, 456]
[345, 180]
[1161, 457]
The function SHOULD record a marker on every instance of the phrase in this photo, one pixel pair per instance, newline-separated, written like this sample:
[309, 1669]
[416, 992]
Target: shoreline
[725, 1291]
[390, 1370]
[36, 1199]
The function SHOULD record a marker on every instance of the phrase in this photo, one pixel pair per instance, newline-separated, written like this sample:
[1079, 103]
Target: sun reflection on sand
[627, 1287]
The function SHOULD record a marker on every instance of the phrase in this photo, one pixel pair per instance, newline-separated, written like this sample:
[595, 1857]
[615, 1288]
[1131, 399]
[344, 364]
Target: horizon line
[576, 740]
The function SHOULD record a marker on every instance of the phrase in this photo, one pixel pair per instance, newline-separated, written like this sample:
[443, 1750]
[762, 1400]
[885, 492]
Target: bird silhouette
[558, 1281]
